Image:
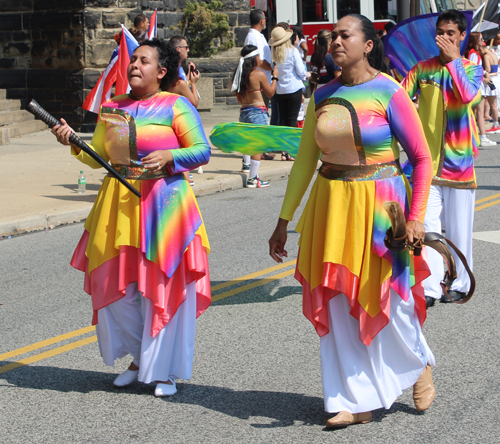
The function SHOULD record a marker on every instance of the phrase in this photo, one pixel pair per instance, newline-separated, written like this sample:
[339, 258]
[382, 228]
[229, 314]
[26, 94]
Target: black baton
[34, 108]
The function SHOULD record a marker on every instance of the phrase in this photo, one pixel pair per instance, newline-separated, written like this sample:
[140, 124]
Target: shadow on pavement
[265, 293]
[283, 409]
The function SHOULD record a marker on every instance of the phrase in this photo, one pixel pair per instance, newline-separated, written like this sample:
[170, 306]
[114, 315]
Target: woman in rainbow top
[145, 259]
[365, 301]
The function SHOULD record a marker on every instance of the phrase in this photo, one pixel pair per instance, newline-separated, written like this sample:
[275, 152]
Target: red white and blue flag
[115, 72]
[153, 29]
[102, 90]
[128, 44]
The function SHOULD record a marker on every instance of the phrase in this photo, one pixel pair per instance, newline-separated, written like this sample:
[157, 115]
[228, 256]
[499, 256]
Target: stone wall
[55, 50]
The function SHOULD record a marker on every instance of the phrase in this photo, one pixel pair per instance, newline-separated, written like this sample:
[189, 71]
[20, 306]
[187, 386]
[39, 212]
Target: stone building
[55, 50]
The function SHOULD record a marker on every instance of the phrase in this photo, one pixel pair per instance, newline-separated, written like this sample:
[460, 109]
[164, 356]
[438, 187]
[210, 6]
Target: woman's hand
[62, 133]
[278, 241]
[156, 160]
[275, 72]
[415, 230]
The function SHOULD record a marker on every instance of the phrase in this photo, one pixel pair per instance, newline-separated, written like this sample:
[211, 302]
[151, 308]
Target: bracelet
[274, 78]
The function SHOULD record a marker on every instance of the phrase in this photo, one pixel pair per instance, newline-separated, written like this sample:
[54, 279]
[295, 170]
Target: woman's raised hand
[278, 240]
[156, 160]
[62, 133]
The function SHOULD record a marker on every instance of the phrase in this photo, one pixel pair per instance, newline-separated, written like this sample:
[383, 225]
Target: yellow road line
[80, 343]
[264, 281]
[41, 344]
[48, 354]
[482, 207]
[485, 199]
[252, 275]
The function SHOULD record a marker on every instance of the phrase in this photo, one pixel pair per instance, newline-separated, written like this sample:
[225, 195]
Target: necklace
[358, 83]
[145, 96]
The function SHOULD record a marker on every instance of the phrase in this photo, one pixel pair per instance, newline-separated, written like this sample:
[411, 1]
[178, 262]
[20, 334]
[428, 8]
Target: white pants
[458, 208]
[124, 327]
[357, 378]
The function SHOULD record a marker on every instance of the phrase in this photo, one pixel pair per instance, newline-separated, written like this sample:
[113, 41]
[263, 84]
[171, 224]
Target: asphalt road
[256, 374]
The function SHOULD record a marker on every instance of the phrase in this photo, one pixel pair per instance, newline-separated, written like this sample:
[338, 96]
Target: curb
[39, 222]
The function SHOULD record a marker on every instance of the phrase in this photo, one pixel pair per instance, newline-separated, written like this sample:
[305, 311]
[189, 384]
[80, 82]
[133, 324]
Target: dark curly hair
[248, 66]
[167, 58]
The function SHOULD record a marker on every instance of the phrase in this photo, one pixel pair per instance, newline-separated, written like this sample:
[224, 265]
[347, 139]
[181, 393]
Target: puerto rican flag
[115, 72]
[153, 29]
[128, 44]
[102, 90]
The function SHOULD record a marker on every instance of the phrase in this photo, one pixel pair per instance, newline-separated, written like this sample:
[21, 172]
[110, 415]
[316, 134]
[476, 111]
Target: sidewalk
[38, 186]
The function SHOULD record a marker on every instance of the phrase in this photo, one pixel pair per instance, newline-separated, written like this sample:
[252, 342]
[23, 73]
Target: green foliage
[201, 25]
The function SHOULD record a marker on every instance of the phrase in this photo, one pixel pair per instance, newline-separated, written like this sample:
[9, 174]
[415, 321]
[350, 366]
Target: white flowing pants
[457, 207]
[357, 378]
[124, 327]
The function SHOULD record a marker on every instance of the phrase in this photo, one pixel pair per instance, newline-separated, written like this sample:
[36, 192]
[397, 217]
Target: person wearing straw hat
[248, 84]
[291, 75]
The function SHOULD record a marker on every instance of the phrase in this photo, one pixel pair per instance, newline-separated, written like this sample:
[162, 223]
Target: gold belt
[139, 172]
[352, 173]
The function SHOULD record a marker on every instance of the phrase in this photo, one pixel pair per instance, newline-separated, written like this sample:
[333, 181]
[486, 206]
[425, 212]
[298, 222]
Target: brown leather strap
[435, 241]
[396, 239]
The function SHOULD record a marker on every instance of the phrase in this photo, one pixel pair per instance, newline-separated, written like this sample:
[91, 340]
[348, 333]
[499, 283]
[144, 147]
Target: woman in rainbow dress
[145, 259]
[366, 302]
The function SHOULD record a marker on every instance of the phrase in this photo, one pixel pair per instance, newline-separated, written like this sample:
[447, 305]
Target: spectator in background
[141, 26]
[496, 50]
[250, 84]
[256, 38]
[291, 75]
[473, 52]
[301, 43]
[491, 90]
[139, 31]
[322, 65]
[275, 112]
[185, 85]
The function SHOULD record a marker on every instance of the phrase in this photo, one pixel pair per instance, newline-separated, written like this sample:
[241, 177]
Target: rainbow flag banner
[251, 139]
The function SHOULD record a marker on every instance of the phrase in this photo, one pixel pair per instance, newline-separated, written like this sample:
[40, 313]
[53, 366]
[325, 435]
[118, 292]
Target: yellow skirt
[342, 251]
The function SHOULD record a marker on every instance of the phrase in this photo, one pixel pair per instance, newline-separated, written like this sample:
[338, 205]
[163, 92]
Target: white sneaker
[126, 378]
[162, 389]
[487, 142]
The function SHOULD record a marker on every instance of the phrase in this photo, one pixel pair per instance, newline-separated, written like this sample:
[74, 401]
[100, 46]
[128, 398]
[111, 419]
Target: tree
[202, 27]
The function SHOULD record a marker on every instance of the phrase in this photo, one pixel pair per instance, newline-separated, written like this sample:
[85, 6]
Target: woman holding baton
[145, 260]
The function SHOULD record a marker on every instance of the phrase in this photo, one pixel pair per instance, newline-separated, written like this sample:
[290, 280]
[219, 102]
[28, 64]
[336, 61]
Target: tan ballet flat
[424, 391]
[344, 419]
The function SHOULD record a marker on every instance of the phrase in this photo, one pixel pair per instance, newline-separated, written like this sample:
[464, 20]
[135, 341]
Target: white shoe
[487, 142]
[200, 170]
[162, 389]
[126, 378]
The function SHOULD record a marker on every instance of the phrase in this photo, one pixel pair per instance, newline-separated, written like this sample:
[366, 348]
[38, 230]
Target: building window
[345, 7]
[314, 11]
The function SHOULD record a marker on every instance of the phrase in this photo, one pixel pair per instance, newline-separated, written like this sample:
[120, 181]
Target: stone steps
[15, 122]
[10, 105]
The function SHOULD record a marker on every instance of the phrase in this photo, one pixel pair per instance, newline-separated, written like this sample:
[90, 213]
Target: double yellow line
[93, 337]
[486, 199]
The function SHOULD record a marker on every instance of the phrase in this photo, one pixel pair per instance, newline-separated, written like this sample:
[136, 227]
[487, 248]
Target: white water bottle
[81, 183]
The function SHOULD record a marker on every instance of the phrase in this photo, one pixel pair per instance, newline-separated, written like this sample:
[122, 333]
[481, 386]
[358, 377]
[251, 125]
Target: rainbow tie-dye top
[447, 93]
[364, 123]
[168, 215]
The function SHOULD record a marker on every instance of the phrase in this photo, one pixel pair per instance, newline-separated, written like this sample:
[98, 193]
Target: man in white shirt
[255, 37]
